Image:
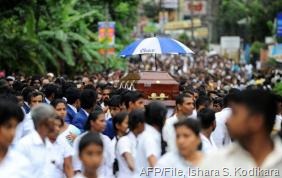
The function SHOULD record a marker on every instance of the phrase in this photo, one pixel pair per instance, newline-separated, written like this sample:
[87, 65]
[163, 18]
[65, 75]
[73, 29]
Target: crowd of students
[51, 128]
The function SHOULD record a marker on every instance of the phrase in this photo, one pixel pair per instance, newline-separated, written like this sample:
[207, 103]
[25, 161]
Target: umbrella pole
[156, 62]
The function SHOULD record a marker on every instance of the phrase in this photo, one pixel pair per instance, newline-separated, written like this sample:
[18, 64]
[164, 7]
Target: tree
[60, 35]
[250, 19]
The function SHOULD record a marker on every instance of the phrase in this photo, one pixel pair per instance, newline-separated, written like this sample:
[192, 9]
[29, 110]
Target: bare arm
[129, 160]
[152, 160]
[68, 169]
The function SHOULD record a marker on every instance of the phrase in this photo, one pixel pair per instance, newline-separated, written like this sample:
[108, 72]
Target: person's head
[4, 86]
[61, 107]
[88, 99]
[134, 100]
[10, 116]
[187, 136]
[206, 117]
[35, 98]
[231, 97]
[253, 113]
[72, 95]
[202, 102]
[45, 81]
[10, 80]
[184, 104]
[99, 91]
[217, 104]
[50, 91]
[106, 92]
[136, 121]
[155, 114]
[19, 98]
[26, 91]
[44, 117]
[90, 151]
[35, 82]
[85, 80]
[96, 121]
[57, 125]
[120, 123]
[115, 105]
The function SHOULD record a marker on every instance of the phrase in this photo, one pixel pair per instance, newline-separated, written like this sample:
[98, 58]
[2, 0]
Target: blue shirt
[80, 119]
[109, 131]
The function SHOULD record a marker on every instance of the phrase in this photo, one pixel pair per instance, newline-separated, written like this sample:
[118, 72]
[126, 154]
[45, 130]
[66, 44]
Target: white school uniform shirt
[24, 128]
[235, 161]
[169, 134]
[220, 134]
[82, 176]
[57, 152]
[71, 129]
[34, 149]
[149, 143]
[207, 144]
[106, 169]
[15, 165]
[174, 161]
[126, 144]
[277, 124]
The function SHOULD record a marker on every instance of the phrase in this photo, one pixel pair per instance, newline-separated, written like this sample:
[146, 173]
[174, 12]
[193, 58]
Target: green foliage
[256, 46]
[257, 16]
[278, 89]
[61, 35]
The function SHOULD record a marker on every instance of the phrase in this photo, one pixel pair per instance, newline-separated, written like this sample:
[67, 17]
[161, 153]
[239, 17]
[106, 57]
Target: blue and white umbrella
[155, 45]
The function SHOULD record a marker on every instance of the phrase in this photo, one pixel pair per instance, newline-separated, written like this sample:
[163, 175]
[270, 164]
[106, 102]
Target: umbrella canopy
[155, 45]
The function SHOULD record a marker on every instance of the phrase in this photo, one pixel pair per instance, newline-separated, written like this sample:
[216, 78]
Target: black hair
[9, 110]
[190, 123]
[18, 86]
[155, 114]
[89, 87]
[26, 91]
[135, 117]
[206, 117]
[66, 86]
[119, 118]
[260, 102]
[50, 89]
[72, 94]
[89, 139]
[115, 101]
[88, 98]
[55, 102]
[219, 101]
[93, 116]
[9, 97]
[202, 100]
[35, 77]
[180, 98]
[132, 96]
[34, 94]
[232, 96]
[107, 87]
[4, 87]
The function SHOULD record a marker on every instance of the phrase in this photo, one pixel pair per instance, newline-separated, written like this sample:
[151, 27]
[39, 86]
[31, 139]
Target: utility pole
[192, 18]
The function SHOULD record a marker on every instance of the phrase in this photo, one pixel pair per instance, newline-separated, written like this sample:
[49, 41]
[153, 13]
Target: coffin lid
[150, 77]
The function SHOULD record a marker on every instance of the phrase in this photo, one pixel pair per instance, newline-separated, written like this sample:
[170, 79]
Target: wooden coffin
[154, 85]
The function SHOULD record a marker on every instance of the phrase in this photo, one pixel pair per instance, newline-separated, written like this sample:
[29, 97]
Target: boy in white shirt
[96, 123]
[90, 150]
[12, 163]
[206, 117]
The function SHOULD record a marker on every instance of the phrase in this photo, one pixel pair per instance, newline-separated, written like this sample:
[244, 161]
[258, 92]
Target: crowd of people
[222, 125]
